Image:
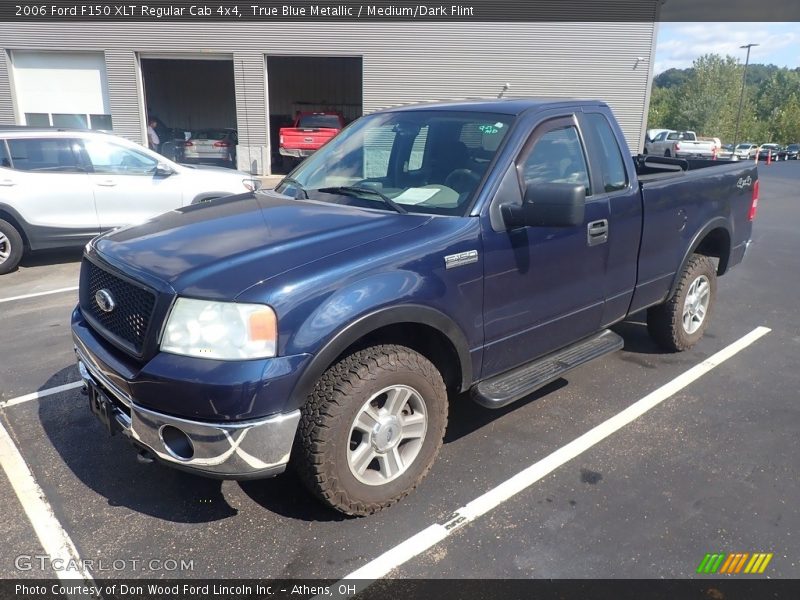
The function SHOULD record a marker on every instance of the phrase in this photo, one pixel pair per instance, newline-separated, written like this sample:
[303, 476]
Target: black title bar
[398, 10]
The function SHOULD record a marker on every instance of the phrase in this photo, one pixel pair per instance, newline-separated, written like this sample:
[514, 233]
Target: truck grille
[133, 307]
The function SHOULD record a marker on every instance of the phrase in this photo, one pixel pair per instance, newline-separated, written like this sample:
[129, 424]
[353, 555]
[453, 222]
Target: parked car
[771, 151]
[426, 251]
[216, 146]
[745, 150]
[792, 151]
[725, 151]
[60, 188]
[309, 132]
[681, 144]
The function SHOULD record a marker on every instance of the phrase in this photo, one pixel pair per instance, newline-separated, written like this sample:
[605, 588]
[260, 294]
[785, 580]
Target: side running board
[513, 385]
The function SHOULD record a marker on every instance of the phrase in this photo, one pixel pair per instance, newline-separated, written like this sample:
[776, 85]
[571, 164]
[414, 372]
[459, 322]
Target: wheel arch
[9, 214]
[713, 240]
[423, 329]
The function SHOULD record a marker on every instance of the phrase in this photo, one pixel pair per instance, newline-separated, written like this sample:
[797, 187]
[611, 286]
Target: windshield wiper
[356, 191]
[296, 184]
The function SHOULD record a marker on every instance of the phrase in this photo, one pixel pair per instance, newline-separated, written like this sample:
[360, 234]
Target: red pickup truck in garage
[309, 132]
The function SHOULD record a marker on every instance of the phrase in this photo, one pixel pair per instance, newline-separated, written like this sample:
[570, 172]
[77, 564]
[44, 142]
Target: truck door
[614, 180]
[544, 286]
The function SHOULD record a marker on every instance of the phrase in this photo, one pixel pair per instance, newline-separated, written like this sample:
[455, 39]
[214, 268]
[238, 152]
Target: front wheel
[11, 249]
[371, 429]
[679, 323]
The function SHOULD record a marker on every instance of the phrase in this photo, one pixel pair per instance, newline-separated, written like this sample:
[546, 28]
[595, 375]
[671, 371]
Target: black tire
[325, 436]
[667, 154]
[665, 322]
[10, 245]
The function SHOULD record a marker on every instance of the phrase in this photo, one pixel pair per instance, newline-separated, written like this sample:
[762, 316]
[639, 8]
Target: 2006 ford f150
[481, 246]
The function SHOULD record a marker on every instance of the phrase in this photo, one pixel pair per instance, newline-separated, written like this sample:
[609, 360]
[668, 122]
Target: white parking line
[25, 296]
[40, 394]
[54, 539]
[429, 537]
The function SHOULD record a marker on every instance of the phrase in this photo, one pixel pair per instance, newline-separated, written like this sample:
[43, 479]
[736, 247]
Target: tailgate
[306, 139]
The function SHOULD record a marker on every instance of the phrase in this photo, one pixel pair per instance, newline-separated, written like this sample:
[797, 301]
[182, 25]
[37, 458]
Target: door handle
[107, 183]
[597, 232]
[8, 182]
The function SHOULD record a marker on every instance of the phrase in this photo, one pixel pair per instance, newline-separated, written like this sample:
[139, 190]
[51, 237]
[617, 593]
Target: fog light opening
[177, 442]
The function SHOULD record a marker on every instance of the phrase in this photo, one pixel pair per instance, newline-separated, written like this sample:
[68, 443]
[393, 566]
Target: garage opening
[193, 102]
[310, 84]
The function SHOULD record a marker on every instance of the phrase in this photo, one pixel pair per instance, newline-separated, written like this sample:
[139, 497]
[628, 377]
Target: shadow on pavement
[51, 257]
[108, 466]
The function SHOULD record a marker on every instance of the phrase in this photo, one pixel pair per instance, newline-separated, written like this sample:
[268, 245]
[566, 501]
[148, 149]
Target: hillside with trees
[705, 98]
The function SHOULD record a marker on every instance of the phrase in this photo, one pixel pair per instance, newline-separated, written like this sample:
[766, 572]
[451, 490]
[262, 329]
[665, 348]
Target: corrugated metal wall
[6, 95]
[402, 62]
[124, 94]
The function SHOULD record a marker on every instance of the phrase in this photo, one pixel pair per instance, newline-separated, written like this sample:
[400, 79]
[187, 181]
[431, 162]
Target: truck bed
[682, 199]
[652, 168]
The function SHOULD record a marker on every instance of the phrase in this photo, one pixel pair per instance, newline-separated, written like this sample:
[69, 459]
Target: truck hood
[217, 250]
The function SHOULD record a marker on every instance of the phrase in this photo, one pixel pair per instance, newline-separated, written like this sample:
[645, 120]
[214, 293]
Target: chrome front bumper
[237, 450]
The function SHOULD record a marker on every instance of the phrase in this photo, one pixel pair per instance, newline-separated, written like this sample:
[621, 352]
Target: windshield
[744, 146]
[424, 161]
[323, 121]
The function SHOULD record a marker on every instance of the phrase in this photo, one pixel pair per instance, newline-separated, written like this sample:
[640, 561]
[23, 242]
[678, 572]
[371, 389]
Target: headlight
[220, 330]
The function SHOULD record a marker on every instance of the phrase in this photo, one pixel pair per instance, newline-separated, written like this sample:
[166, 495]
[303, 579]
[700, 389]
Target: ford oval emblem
[104, 300]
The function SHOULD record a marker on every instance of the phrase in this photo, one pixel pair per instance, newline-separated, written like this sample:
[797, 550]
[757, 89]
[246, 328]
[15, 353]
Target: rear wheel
[371, 429]
[680, 322]
[667, 153]
[11, 247]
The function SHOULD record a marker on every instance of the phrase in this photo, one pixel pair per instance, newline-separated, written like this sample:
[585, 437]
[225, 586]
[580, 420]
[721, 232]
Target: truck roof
[510, 105]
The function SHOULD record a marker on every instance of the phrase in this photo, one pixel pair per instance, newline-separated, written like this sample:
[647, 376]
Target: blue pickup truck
[427, 253]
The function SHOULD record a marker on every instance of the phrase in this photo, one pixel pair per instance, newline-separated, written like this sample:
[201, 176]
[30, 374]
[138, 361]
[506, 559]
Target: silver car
[60, 187]
[212, 145]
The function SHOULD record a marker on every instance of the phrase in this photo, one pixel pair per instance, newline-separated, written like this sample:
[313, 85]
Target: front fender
[359, 321]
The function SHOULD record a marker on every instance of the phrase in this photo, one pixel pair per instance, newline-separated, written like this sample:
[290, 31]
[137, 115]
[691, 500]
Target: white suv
[60, 188]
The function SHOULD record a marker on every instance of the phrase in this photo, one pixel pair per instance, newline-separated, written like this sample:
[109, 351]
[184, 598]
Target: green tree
[708, 101]
[775, 105]
[662, 108]
[705, 98]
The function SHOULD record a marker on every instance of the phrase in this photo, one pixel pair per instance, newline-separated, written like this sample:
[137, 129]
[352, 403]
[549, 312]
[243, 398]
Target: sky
[678, 44]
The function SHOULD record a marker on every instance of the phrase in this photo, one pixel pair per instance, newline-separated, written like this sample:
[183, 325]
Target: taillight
[677, 147]
[187, 144]
[222, 144]
[754, 202]
[281, 142]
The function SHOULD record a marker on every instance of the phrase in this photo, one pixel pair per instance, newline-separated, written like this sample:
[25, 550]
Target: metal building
[255, 76]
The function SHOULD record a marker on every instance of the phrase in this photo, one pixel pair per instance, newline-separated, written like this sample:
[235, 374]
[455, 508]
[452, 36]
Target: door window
[556, 157]
[53, 155]
[109, 158]
[614, 175]
[5, 159]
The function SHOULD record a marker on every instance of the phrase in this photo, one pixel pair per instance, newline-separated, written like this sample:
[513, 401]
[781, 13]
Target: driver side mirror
[163, 170]
[547, 205]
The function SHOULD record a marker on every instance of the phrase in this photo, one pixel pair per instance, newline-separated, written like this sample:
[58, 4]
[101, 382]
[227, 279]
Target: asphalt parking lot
[712, 468]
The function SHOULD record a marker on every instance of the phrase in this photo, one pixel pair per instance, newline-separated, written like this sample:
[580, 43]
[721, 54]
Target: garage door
[62, 89]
